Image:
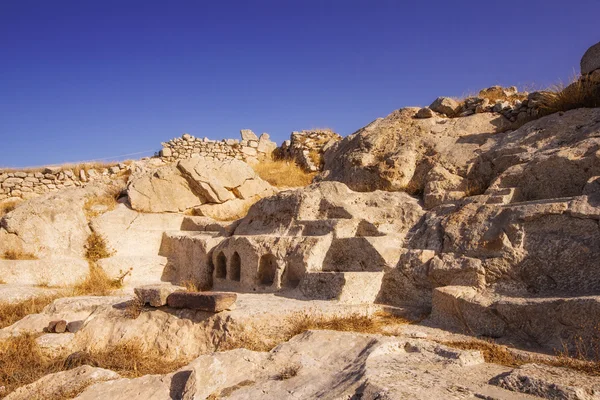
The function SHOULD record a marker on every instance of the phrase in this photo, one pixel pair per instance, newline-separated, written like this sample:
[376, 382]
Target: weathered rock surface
[49, 226]
[222, 189]
[204, 301]
[64, 384]
[155, 295]
[162, 190]
[397, 152]
[323, 364]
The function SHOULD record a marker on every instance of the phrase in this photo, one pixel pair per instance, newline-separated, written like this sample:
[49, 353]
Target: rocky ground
[447, 251]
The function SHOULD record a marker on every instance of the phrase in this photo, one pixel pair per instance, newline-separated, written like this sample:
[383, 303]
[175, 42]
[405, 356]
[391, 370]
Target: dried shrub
[134, 308]
[96, 248]
[18, 255]
[282, 173]
[22, 362]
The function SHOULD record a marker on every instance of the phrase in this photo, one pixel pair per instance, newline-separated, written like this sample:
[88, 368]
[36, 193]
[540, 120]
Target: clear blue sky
[87, 79]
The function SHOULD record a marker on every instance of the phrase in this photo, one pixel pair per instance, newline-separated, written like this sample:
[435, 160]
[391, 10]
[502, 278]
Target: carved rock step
[205, 301]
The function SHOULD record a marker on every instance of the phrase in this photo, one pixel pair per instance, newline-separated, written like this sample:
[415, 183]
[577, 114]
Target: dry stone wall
[250, 148]
[27, 184]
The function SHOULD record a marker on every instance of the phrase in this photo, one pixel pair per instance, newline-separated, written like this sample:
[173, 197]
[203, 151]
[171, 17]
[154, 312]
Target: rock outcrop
[222, 189]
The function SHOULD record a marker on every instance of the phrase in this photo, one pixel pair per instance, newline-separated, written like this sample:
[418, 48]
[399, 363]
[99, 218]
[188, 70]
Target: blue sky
[83, 80]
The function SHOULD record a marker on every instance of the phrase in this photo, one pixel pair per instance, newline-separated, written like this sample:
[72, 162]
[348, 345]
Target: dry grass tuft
[491, 352]
[577, 357]
[11, 313]
[96, 248]
[287, 373]
[97, 283]
[18, 255]
[192, 286]
[7, 207]
[22, 362]
[300, 322]
[283, 173]
[578, 94]
[95, 206]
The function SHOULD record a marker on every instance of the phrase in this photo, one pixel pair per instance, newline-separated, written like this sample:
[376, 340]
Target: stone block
[205, 301]
[156, 295]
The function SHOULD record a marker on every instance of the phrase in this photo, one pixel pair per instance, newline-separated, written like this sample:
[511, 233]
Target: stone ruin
[250, 148]
[306, 148]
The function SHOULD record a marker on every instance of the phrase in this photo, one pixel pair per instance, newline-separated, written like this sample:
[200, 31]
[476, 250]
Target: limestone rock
[63, 384]
[162, 190]
[155, 295]
[205, 301]
[445, 105]
[248, 135]
[425, 112]
[550, 383]
[591, 59]
[396, 152]
[53, 225]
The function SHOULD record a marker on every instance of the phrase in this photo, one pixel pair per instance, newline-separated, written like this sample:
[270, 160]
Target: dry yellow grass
[579, 359]
[96, 248]
[22, 362]
[300, 322]
[97, 283]
[18, 255]
[282, 173]
[7, 207]
[95, 206]
[11, 313]
[577, 94]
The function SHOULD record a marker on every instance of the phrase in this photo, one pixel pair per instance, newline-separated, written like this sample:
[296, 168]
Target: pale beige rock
[63, 384]
[162, 190]
[327, 365]
[57, 272]
[591, 59]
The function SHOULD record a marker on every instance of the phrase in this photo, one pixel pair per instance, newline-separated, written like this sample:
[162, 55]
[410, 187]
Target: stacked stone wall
[249, 148]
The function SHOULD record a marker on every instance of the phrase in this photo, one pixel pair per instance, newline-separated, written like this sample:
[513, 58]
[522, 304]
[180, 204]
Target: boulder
[58, 326]
[445, 105]
[425, 112]
[205, 301]
[49, 226]
[248, 135]
[162, 190]
[591, 60]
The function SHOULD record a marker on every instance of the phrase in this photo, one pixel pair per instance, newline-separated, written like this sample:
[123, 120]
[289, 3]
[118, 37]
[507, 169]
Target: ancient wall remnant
[306, 148]
[250, 148]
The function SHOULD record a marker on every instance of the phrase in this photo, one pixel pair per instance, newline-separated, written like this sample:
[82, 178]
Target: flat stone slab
[205, 301]
[156, 295]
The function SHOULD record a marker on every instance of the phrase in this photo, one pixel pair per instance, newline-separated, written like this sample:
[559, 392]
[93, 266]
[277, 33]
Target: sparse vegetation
[282, 173]
[583, 356]
[300, 322]
[95, 206]
[97, 283]
[18, 255]
[22, 362]
[287, 373]
[578, 94]
[13, 312]
[7, 207]
[96, 248]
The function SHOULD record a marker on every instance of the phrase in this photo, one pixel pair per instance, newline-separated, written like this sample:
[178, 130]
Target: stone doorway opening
[267, 269]
[221, 267]
[235, 267]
